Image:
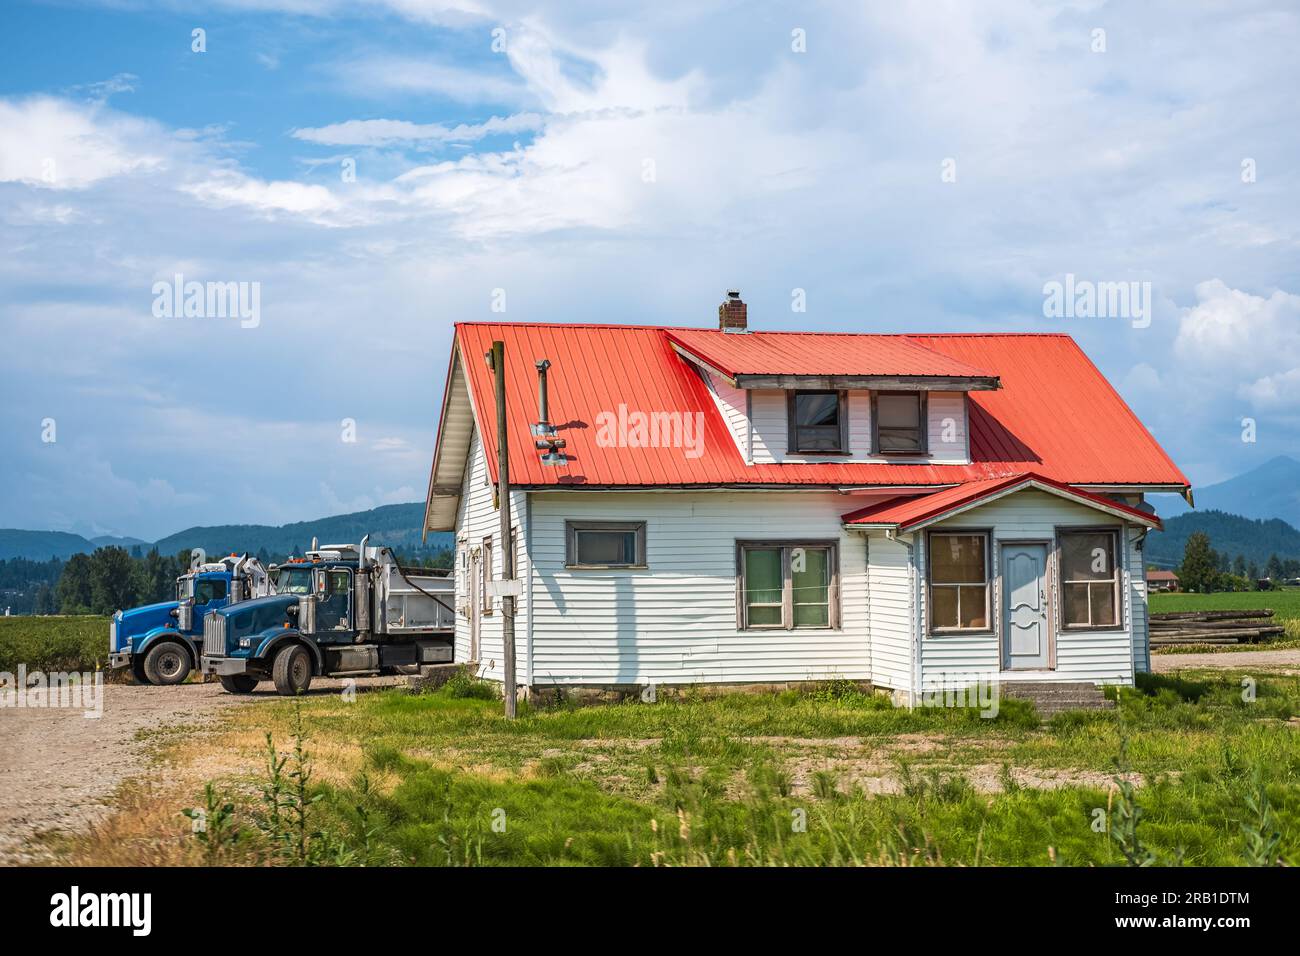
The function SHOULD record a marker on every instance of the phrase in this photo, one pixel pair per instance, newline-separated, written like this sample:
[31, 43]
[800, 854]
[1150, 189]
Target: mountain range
[397, 526]
[1271, 490]
[1254, 514]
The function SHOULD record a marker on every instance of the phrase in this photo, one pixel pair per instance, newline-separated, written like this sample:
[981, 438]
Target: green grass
[779, 780]
[1285, 603]
[53, 643]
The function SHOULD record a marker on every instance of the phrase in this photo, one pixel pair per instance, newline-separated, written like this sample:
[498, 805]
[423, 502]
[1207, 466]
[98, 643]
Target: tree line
[1204, 569]
[113, 578]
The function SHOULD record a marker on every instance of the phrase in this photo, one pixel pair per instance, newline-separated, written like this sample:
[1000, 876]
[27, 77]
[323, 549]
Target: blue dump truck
[162, 643]
[345, 610]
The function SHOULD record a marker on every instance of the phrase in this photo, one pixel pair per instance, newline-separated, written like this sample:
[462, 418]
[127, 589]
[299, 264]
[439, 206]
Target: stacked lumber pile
[1213, 627]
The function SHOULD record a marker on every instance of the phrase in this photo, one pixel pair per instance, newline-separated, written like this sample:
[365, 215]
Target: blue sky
[605, 162]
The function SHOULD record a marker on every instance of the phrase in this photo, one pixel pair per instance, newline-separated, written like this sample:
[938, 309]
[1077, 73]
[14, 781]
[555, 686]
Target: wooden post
[507, 544]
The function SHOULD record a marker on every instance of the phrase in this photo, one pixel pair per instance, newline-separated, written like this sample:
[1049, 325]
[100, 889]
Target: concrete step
[1053, 697]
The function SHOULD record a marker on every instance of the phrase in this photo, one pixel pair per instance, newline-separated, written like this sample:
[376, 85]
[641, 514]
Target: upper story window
[898, 423]
[818, 421]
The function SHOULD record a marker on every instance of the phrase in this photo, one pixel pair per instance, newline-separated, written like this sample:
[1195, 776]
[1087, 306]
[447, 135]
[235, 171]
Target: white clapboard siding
[477, 519]
[947, 429]
[1099, 656]
[675, 622]
[1138, 599]
[890, 599]
[731, 402]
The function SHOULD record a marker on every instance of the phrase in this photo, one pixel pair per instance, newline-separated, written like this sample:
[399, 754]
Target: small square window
[899, 423]
[817, 421]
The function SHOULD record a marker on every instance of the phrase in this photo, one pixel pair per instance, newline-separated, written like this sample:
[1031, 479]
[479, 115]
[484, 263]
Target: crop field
[1185, 770]
[1285, 602]
[53, 643]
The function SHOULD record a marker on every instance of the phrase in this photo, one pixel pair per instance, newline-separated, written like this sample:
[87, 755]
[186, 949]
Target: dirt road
[1284, 661]
[57, 766]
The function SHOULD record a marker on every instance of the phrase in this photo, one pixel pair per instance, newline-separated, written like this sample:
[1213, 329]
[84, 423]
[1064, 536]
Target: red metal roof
[1055, 414]
[910, 511]
[818, 353]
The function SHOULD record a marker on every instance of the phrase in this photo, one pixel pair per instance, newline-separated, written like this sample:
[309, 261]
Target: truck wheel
[291, 671]
[167, 663]
[238, 683]
[137, 669]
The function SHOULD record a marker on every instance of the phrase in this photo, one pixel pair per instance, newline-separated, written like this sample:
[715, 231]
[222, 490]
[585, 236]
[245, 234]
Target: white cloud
[1232, 335]
[387, 132]
[226, 188]
[389, 75]
[56, 144]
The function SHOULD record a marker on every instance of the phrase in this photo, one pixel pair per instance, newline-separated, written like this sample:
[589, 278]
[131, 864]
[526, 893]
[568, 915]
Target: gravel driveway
[1284, 661]
[57, 767]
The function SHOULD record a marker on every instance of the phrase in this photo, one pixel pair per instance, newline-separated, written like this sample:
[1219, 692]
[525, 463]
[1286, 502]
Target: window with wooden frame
[1089, 579]
[787, 585]
[898, 423]
[959, 588]
[604, 544]
[818, 423]
[485, 576]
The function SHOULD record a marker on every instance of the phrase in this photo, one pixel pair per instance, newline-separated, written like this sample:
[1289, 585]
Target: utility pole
[507, 542]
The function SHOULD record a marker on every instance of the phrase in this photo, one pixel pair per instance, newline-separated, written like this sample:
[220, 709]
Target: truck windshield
[293, 581]
[209, 590]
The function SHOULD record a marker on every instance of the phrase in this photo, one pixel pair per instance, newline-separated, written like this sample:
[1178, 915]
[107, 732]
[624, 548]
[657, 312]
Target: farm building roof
[1053, 414]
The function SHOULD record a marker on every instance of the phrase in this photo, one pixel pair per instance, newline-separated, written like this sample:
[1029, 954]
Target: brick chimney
[733, 314]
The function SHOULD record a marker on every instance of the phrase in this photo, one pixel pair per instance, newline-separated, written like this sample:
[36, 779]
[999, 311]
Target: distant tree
[1198, 571]
[113, 582]
[135, 551]
[73, 590]
[154, 577]
[1239, 566]
[1253, 572]
[44, 602]
[263, 556]
[1274, 568]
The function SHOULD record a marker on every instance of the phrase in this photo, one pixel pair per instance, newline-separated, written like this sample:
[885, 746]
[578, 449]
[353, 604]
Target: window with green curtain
[788, 585]
[810, 585]
[764, 587]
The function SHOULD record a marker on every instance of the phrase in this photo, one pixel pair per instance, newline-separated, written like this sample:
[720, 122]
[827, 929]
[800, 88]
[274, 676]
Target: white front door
[1026, 632]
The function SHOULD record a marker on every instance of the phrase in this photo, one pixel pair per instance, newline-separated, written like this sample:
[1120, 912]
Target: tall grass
[1182, 771]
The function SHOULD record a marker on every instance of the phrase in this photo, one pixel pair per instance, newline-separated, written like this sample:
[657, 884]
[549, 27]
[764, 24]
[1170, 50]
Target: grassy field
[1285, 602]
[53, 643]
[1182, 771]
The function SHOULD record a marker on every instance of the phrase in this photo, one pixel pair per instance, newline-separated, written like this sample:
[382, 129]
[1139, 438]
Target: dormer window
[817, 423]
[898, 421]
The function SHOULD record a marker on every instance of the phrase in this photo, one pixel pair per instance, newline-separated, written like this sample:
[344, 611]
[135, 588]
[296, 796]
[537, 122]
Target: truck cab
[344, 610]
[162, 643]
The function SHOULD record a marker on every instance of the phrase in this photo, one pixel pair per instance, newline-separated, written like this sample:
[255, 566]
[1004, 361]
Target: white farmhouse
[740, 506]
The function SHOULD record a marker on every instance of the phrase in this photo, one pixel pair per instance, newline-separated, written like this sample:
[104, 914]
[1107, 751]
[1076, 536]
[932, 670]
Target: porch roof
[908, 513]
